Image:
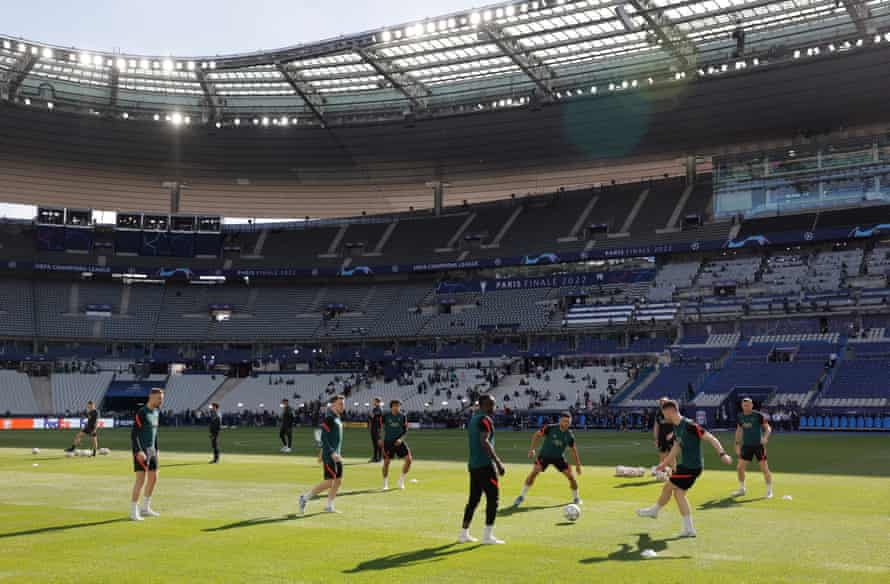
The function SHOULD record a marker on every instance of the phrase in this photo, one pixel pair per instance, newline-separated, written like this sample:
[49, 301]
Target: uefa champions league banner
[359, 270]
[556, 281]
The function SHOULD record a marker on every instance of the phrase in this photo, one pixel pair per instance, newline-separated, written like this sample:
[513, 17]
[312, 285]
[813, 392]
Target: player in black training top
[663, 432]
[215, 427]
[375, 423]
[287, 426]
[91, 429]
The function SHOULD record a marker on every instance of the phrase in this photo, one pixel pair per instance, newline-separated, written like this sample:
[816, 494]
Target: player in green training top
[395, 426]
[751, 436]
[688, 437]
[557, 437]
[484, 466]
[331, 444]
[144, 442]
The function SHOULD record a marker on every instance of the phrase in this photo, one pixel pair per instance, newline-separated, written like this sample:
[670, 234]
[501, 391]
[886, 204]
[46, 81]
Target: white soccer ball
[664, 475]
[69, 454]
[35, 451]
[83, 453]
[104, 451]
[571, 512]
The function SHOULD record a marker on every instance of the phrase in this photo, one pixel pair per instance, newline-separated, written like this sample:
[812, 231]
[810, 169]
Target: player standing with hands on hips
[485, 467]
[751, 437]
[688, 437]
[144, 441]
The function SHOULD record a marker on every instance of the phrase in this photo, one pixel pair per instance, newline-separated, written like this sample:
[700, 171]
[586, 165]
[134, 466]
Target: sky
[186, 28]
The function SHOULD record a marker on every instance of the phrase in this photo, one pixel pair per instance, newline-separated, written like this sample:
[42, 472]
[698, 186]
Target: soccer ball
[663, 476]
[571, 512]
[104, 451]
[35, 451]
[69, 454]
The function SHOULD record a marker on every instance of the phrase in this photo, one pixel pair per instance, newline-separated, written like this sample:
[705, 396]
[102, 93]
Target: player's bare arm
[727, 459]
[489, 449]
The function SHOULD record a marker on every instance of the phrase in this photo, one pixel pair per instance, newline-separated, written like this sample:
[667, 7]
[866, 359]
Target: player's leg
[214, 444]
[573, 484]
[387, 459]
[664, 498]
[470, 509]
[134, 500]
[282, 435]
[492, 490]
[74, 443]
[335, 487]
[767, 475]
[685, 513]
[151, 479]
[406, 466]
[95, 440]
[529, 481]
[290, 439]
[740, 470]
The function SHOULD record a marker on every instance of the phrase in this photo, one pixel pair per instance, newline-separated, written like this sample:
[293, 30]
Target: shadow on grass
[411, 558]
[364, 492]
[261, 521]
[175, 464]
[726, 503]
[525, 509]
[629, 553]
[39, 530]
[637, 484]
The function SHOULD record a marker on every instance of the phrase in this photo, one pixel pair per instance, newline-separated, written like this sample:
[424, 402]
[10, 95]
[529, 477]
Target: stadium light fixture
[218, 125]
[213, 64]
[475, 19]
[7, 45]
[510, 11]
[143, 63]
[452, 22]
[167, 65]
[125, 115]
[187, 120]
[430, 27]
[21, 47]
[190, 66]
[47, 53]
[265, 121]
[237, 121]
[486, 16]
[176, 118]
[157, 117]
[256, 121]
[27, 101]
[50, 105]
[387, 36]
[121, 64]
[167, 118]
[283, 121]
[98, 60]
[85, 59]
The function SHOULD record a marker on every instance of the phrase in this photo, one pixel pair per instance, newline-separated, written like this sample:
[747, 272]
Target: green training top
[689, 434]
[331, 434]
[145, 429]
[555, 441]
[395, 426]
[752, 428]
[479, 424]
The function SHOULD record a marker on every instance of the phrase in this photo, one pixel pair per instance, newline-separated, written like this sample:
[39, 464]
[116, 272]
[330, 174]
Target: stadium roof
[516, 54]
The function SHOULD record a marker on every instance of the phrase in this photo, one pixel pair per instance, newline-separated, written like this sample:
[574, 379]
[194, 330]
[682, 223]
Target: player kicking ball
[332, 464]
[751, 436]
[91, 429]
[144, 440]
[688, 437]
[395, 426]
[557, 437]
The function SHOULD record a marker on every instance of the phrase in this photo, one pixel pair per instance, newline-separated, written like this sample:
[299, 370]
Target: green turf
[63, 520]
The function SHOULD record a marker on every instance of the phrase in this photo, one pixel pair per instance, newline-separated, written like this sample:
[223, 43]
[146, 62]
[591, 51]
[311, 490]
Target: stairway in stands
[42, 389]
[223, 390]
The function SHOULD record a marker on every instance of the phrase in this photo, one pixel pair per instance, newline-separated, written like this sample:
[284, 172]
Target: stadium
[556, 222]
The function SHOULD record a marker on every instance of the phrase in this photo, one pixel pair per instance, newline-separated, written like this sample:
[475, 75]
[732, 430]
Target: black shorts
[332, 470]
[90, 431]
[150, 464]
[390, 450]
[749, 452]
[560, 463]
[665, 445]
[684, 478]
[483, 478]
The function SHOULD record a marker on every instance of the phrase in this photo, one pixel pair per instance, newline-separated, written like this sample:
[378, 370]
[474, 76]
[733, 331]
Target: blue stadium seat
[844, 422]
[804, 422]
[860, 423]
[818, 422]
[582, 421]
[851, 422]
[869, 422]
[887, 422]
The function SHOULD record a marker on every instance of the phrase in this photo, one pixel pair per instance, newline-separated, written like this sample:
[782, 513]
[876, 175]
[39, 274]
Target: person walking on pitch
[286, 433]
[751, 436]
[215, 427]
[395, 426]
[484, 467]
[332, 464]
[91, 429]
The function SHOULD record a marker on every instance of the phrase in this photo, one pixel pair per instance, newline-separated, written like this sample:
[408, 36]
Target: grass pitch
[64, 519]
